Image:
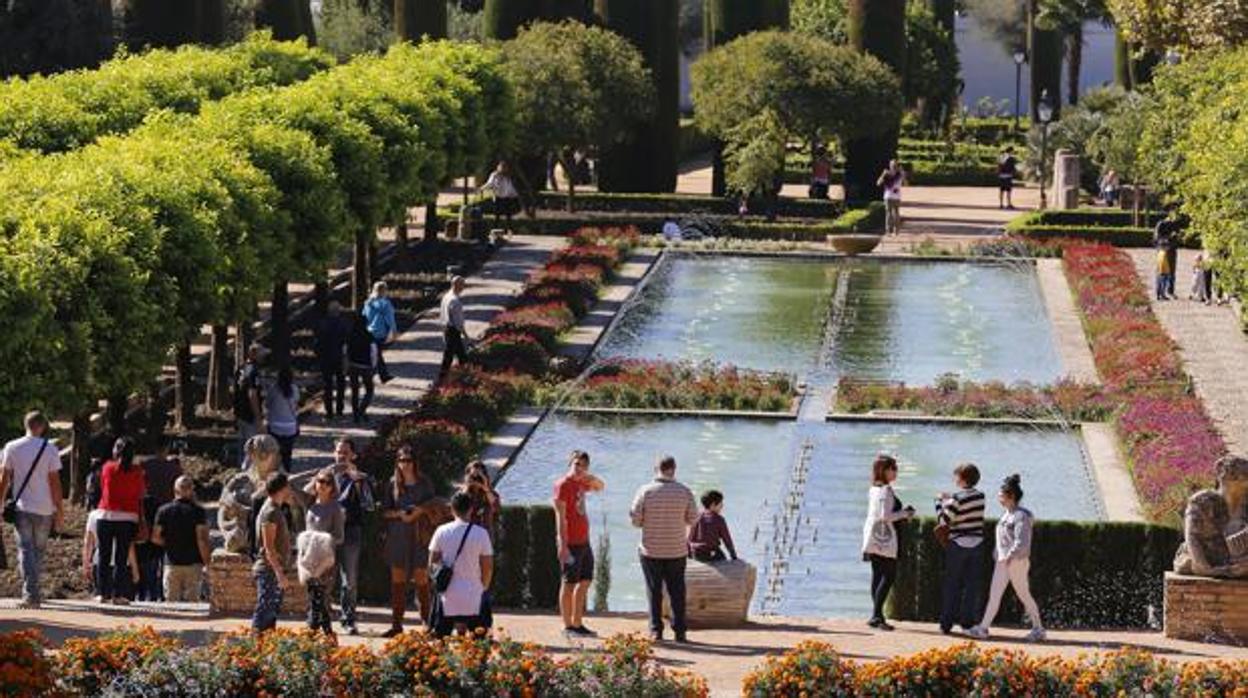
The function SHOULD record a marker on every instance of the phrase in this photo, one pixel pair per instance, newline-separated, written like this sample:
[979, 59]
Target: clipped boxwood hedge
[1103, 575]
[682, 204]
[1119, 237]
[1091, 217]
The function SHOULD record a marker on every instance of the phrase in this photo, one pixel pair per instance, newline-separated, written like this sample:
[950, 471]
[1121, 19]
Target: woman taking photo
[485, 501]
[406, 508]
[879, 535]
[122, 486]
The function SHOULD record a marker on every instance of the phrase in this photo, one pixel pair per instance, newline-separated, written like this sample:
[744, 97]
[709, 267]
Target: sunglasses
[325, 482]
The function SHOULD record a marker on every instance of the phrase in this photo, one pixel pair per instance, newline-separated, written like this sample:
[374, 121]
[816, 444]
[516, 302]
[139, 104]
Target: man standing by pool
[664, 510]
[576, 557]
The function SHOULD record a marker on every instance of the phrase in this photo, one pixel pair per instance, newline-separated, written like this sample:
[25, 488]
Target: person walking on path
[576, 556]
[879, 535]
[453, 331]
[324, 516]
[1007, 170]
[331, 348]
[273, 554]
[407, 511]
[379, 312]
[466, 548]
[356, 496]
[710, 530]
[1166, 240]
[1013, 561]
[506, 197]
[664, 510]
[281, 405]
[362, 354]
[30, 469]
[181, 528]
[121, 504]
[248, 396]
[891, 181]
[963, 513]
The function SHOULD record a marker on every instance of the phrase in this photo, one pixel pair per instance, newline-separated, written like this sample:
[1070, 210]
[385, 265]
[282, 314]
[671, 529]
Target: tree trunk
[279, 325]
[156, 417]
[1122, 61]
[183, 404]
[359, 271]
[115, 414]
[79, 457]
[212, 22]
[1045, 49]
[876, 28]
[244, 334]
[719, 176]
[415, 19]
[285, 18]
[432, 226]
[220, 369]
[1074, 65]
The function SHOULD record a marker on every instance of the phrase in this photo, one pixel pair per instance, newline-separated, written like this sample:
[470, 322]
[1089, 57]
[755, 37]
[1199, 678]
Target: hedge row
[1083, 575]
[1092, 217]
[685, 204]
[1110, 226]
[989, 130]
[1116, 236]
[117, 251]
[526, 562]
[71, 109]
[923, 173]
[867, 219]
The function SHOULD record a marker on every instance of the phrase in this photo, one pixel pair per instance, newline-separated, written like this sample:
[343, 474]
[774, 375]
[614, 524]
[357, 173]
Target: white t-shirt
[18, 458]
[282, 411]
[463, 597]
[452, 311]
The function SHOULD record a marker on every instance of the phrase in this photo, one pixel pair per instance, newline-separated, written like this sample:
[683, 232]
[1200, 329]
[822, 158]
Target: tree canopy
[1191, 24]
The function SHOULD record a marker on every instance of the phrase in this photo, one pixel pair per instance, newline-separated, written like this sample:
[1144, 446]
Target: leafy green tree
[809, 88]
[49, 36]
[349, 28]
[1193, 24]
[1069, 16]
[930, 81]
[826, 19]
[576, 88]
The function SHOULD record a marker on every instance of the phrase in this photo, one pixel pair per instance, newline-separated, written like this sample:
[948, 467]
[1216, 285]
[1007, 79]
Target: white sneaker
[978, 632]
[1037, 635]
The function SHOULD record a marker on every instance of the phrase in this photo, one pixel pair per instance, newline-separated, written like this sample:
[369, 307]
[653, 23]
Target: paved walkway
[724, 657]
[1214, 348]
[415, 357]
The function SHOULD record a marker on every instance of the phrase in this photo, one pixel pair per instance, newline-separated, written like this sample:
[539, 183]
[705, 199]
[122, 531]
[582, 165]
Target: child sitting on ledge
[710, 528]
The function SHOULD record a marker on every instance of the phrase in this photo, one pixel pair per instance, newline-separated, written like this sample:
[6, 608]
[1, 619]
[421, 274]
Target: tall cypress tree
[1045, 47]
[287, 19]
[647, 161]
[725, 20]
[877, 28]
[504, 18]
[414, 19]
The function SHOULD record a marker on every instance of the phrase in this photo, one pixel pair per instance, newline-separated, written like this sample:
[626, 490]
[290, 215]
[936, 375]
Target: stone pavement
[1214, 348]
[724, 657]
[415, 357]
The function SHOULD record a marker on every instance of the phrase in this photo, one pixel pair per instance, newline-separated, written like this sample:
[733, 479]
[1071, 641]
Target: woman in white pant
[1013, 555]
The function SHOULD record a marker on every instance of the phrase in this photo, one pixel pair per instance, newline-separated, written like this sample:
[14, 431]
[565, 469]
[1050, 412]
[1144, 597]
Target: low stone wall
[1207, 610]
[717, 595]
[232, 588]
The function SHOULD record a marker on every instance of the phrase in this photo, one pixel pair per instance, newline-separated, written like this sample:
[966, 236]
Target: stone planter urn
[718, 594]
[855, 243]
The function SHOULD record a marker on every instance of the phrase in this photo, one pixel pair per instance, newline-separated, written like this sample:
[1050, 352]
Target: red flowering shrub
[1172, 446]
[623, 238]
[514, 351]
[475, 408]
[635, 384]
[1068, 400]
[545, 322]
[605, 257]
[509, 388]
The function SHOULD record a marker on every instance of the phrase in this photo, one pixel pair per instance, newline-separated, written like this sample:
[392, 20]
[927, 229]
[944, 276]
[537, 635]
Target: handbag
[10, 506]
[443, 575]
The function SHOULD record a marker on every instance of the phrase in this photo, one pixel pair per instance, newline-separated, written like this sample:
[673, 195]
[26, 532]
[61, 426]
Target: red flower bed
[512, 351]
[636, 384]
[621, 238]
[1065, 399]
[544, 321]
[1170, 441]
[605, 257]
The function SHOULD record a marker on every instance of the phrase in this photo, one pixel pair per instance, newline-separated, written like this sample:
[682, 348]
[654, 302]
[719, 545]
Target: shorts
[1005, 183]
[581, 567]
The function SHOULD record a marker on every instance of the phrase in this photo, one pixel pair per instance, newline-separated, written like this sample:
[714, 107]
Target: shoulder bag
[10, 507]
[445, 572]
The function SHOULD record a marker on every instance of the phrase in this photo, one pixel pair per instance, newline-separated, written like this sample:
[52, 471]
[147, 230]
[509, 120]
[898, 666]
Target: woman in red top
[122, 488]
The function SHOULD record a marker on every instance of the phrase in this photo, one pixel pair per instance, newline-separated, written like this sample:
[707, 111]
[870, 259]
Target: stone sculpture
[1215, 525]
[234, 515]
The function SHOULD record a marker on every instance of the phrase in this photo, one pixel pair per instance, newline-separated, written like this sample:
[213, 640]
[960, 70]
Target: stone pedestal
[232, 588]
[1065, 194]
[717, 595]
[1207, 610]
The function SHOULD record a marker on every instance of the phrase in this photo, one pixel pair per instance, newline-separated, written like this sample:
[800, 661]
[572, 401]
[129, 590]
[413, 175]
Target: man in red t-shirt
[576, 557]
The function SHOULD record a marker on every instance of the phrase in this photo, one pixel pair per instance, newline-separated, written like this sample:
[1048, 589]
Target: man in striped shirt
[664, 510]
[963, 513]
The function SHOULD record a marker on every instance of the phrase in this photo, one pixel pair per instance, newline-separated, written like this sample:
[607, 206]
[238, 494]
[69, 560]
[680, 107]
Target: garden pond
[796, 490]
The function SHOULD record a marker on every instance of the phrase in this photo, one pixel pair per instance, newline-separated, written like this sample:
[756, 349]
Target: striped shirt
[664, 510]
[964, 512]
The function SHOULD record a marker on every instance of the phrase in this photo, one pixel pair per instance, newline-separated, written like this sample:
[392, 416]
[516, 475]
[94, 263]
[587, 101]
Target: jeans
[334, 389]
[454, 349]
[318, 607]
[268, 602]
[115, 538]
[382, 372]
[668, 573]
[286, 446]
[32, 541]
[1172, 261]
[1011, 573]
[1164, 283]
[348, 555]
[962, 588]
[883, 574]
[360, 407]
[150, 558]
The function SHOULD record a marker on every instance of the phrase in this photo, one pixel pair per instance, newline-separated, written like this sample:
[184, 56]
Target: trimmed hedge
[1118, 237]
[1089, 217]
[684, 204]
[1103, 575]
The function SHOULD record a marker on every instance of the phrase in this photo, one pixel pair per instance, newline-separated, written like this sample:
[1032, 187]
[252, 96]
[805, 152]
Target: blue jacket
[379, 312]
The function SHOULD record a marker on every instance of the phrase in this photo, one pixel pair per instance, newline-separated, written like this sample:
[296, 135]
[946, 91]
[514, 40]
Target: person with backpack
[462, 551]
[248, 396]
[30, 467]
[1007, 170]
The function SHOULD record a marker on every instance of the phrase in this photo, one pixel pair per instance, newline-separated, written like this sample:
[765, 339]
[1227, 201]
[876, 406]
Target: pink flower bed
[1171, 443]
[653, 384]
[1065, 399]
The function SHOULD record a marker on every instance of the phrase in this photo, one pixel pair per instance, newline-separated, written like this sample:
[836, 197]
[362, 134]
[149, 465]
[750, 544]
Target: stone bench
[232, 588]
[717, 595]
[1205, 609]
